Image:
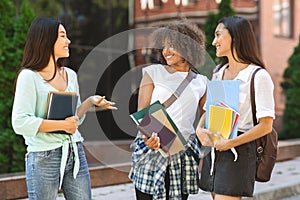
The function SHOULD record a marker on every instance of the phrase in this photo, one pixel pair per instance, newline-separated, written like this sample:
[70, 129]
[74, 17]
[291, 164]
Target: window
[151, 4]
[188, 2]
[158, 4]
[282, 16]
[185, 2]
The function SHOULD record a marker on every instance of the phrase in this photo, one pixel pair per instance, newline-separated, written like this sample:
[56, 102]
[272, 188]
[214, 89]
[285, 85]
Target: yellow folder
[220, 121]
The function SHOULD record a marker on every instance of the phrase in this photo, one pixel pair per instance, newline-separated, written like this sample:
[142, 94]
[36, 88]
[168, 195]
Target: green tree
[291, 85]
[209, 29]
[48, 8]
[224, 10]
[13, 29]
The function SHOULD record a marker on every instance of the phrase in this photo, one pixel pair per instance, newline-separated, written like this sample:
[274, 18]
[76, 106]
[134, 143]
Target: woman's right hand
[153, 142]
[71, 124]
[204, 137]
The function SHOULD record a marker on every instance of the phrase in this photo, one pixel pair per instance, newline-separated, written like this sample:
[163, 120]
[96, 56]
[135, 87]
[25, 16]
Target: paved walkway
[285, 182]
[284, 185]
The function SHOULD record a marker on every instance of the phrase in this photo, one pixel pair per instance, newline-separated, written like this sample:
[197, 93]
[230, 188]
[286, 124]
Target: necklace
[230, 75]
[62, 74]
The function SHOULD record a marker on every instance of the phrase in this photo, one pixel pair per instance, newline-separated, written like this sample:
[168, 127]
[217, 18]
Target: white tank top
[183, 110]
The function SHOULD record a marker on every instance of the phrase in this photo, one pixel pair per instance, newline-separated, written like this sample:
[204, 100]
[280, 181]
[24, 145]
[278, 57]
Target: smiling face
[172, 57]
[61, 46]
[222, 41]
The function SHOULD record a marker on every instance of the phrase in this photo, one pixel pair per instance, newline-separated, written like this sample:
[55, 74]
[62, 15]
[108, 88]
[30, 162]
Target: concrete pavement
[284, 184]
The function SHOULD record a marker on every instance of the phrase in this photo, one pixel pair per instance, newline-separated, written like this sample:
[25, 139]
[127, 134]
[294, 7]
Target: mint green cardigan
[30, 106]
[29, 110]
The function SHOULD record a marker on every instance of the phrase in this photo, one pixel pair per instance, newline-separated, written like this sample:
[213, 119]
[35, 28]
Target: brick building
[280, 29]
[158, 12]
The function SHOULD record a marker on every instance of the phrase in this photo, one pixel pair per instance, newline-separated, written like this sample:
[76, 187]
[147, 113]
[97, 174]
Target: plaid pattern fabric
[149, 168]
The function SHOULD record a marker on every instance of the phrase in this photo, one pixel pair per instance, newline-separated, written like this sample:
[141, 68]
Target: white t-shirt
[264, 98]
[183, 110]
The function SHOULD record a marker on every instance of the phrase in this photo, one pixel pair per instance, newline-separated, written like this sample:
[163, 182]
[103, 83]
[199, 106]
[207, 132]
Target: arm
[264, 112]
[201, 104]
[96, 100]
[144, 99]
[264, 127]
[145, 92]
[69, 125]
[201, 132]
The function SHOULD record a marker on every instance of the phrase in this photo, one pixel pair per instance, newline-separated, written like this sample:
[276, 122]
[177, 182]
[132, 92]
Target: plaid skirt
[149, 168]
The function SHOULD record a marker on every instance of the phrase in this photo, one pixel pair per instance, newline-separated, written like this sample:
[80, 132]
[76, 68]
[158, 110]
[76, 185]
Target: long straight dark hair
[39, 47]
[243, 41]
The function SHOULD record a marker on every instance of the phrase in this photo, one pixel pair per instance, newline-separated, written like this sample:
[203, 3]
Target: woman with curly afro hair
[180, 47]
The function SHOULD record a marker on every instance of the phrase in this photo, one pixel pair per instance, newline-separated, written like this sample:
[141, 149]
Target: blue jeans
[43, 175]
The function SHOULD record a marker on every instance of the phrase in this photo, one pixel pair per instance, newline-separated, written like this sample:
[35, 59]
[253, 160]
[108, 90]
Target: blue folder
[226, 91]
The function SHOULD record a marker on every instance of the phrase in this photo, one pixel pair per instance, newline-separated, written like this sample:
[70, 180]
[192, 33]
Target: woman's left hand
[222, 144]
[100, 101]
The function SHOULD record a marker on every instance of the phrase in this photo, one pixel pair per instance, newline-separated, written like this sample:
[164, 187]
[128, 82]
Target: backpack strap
[190, 76]
[252, 96]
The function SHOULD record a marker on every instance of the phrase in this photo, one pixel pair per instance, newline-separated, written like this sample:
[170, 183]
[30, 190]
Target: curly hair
[185, 37]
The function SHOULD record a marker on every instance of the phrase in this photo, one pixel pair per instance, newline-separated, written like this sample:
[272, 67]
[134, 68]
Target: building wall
[196, 12]
[276, 50]
[169, 12]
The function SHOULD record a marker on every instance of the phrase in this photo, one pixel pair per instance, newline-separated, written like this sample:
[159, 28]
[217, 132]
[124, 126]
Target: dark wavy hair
[185, 37]
[243, 41]
[39, 47]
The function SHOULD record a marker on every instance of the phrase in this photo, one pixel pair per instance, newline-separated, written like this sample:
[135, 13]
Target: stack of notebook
[222, 103]
[222, 120]
[155, 118]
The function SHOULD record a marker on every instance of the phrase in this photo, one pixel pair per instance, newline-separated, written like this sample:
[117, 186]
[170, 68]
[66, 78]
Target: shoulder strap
[190, 76]
[252, 96]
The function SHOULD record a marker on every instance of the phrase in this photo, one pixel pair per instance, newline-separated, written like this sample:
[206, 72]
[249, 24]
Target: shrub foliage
[291, 85]
[13, 28]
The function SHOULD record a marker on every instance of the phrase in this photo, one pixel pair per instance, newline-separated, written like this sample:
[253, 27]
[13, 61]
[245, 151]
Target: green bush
[13, 29]
[291, 85]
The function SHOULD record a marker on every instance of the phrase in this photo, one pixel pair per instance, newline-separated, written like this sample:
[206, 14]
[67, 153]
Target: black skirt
[231, 178]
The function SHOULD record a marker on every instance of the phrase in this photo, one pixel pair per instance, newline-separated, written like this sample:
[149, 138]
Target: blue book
[223, 92]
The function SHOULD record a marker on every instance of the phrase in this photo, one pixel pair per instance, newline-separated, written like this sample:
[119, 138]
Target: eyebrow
[62, 31]
[217, 31]
[220, 29]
